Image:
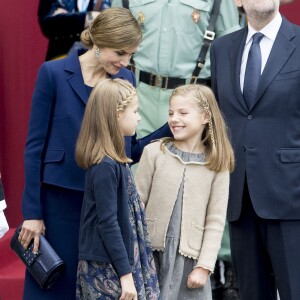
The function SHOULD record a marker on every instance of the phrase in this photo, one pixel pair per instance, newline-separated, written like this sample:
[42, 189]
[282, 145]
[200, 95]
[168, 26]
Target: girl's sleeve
[42, 101]
[105, 185]
[214, 221]
[137, 145]
[144, 175]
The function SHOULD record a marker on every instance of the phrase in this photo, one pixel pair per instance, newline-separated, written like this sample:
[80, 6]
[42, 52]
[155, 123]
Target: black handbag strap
[208, 38]
[125, 3]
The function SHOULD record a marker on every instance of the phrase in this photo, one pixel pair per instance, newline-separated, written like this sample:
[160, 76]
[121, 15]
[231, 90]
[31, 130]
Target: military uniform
[173, 33]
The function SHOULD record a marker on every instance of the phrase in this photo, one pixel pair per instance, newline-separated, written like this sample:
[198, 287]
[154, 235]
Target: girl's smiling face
[186, 120]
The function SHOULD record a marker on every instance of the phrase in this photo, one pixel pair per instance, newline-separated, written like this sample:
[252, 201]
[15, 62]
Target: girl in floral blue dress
[115, 255]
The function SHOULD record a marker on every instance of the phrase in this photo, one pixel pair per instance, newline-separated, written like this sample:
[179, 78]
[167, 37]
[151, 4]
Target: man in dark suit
[63, 21]
[256, 78]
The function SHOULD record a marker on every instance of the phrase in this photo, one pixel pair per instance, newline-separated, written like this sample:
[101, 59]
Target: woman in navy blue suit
[54, 184]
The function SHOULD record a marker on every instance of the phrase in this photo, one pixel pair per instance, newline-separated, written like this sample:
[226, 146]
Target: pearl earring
[97, 53]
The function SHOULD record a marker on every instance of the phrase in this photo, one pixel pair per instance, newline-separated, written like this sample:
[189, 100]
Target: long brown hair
[100, 133]
[114, 28]
[219, 152]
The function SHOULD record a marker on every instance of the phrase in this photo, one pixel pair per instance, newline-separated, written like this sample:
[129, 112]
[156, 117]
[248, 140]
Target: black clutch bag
[45, 266]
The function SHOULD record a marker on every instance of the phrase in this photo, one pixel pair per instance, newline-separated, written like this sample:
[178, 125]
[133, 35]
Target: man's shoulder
[229, 38]
[296, 28]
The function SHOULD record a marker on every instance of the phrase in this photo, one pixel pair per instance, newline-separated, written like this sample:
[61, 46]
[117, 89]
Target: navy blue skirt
[61, 211]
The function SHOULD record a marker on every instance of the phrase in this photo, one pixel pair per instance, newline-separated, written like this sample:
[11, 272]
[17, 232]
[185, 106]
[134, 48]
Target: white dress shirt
[82, 5]
[3, 223]
[270, 32]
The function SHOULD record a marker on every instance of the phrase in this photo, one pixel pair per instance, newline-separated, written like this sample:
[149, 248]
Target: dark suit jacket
[266, 138]
[105, 229]
[58, 105]
[62, 30]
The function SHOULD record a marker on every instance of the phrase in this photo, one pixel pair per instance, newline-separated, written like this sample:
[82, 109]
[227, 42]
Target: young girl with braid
[115, 255]
[184, 182]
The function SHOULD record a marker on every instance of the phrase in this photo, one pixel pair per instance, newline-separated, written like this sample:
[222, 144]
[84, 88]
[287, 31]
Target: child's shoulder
[154, 146]
[106, 170]
[108, 160]
[106, 163]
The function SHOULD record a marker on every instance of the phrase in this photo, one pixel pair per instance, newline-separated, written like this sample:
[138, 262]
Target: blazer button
[249, 117]
[244, 148]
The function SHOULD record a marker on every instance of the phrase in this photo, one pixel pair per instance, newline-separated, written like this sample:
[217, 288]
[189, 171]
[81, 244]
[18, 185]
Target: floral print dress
[98, 280]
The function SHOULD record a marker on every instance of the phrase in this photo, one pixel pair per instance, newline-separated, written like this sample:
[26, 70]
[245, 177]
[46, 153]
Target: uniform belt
[167, 82]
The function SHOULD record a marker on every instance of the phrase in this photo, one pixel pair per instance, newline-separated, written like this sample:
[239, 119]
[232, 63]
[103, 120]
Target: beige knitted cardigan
[205, 196]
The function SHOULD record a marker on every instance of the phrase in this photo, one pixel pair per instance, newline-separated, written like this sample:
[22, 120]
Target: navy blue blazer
[58, 105]
[266, 138]
[105, 230]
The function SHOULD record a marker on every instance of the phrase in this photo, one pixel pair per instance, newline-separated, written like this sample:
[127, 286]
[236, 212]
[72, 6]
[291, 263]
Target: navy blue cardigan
[105, 231]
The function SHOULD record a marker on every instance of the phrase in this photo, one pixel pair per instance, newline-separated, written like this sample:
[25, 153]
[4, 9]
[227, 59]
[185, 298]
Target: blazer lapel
[235, 56]
[280, 53]
[120, 75]
[74, 77]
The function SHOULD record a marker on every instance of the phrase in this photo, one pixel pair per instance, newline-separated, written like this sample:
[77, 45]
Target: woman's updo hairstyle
[114, 28]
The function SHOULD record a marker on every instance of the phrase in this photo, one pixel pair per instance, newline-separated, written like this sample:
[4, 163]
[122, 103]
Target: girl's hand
[128, 288]
[142, 205]
[31, 229]
[197, 278]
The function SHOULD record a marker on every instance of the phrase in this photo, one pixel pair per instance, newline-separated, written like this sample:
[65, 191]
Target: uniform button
[165, 29]
[244, 148]
[249, 117]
